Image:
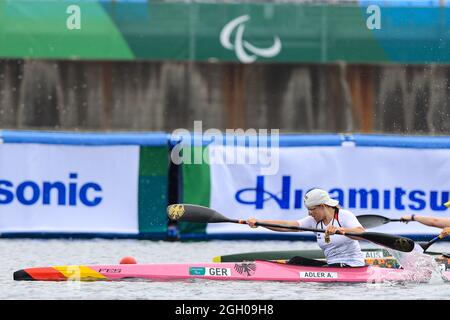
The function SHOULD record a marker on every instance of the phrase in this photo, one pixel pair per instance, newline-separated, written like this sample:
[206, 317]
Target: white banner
[59, 188]
[366, 180]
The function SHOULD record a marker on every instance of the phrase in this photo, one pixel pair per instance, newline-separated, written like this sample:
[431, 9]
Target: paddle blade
[194, 213]
[426, 245]
[394, 242]
[372, 220]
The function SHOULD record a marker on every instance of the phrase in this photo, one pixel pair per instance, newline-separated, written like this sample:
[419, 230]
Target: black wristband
[412, 217]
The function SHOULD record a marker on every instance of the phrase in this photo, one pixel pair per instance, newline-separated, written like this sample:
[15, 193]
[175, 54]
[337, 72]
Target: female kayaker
[443, 223]
[324, 213]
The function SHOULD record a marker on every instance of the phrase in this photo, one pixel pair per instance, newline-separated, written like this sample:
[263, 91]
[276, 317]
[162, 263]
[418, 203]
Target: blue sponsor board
[364, 198]
[67, 193]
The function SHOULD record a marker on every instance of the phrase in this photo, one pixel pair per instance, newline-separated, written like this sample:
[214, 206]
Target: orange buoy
[128, 260]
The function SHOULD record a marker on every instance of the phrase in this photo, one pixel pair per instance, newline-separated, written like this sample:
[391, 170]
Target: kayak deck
[375, 253]
[373, 257]
[253, 271]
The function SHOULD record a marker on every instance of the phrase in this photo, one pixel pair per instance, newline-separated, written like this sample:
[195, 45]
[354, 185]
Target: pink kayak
[256, 271]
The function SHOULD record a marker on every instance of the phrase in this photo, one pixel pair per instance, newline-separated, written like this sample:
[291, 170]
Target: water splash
[420, 264]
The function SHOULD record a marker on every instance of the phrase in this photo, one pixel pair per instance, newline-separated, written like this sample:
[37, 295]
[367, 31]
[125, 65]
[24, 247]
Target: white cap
[317, 197]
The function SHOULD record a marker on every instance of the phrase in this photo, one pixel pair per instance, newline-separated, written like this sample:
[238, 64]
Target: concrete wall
[80, 95]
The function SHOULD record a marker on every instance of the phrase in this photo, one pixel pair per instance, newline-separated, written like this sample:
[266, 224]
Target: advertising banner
[68, 188]
[366, 180]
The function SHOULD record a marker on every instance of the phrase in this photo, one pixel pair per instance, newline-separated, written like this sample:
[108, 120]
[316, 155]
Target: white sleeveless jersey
[341, 249]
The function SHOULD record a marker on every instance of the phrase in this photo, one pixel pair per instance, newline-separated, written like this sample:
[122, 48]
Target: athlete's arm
[445, 232]
[355, 230]
[429, 221]
[333, 229]
[292, 223]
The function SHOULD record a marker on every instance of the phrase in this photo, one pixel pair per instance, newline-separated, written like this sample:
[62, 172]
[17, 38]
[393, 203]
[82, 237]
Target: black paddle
[195, 213]
[372, 220]
[426, 245]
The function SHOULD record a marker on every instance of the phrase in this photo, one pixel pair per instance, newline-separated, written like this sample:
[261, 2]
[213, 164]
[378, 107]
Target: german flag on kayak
[59, 273]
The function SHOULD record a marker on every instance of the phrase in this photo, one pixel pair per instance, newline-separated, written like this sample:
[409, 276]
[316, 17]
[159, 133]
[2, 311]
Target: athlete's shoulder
[306, 221]
[346, 213]
[348, 218]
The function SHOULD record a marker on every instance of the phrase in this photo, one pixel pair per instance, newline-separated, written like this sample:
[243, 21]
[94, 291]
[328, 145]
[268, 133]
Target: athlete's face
[317, 212]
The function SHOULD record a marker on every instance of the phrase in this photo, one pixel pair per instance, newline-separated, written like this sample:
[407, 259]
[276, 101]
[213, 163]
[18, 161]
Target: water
[22, 253]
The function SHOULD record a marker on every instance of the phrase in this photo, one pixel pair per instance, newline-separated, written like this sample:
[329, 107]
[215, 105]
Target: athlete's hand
[332, 230]
[406, 218]
[251, 222]
[445, 233]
